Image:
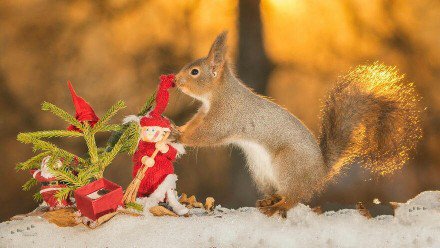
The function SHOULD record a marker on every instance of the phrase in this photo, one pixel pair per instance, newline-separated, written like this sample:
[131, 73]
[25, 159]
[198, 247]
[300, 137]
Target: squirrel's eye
[194, 72]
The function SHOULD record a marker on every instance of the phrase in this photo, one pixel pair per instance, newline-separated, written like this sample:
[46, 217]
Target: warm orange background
[116, 49]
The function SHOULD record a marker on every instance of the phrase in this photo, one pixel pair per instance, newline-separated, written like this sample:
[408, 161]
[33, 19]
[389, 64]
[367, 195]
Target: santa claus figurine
[159, 181]
[50, 185]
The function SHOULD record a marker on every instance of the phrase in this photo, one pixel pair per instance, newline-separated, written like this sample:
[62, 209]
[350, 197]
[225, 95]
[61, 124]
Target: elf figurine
[50, 185]
[159, 182]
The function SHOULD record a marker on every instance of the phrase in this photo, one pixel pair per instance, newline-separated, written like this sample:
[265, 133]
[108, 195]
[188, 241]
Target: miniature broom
[132, 189]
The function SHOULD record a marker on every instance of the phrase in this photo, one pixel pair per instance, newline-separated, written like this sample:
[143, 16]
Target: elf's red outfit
[163, 166]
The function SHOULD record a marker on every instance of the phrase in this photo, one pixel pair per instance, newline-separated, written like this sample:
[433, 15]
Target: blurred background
[290, 50]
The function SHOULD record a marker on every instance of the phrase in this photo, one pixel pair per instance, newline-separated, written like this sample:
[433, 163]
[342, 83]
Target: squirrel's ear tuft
[217, 54]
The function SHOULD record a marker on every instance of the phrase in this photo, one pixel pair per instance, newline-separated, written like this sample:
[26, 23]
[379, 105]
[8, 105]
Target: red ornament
[84, 112]
[154, 176]
[98, 198]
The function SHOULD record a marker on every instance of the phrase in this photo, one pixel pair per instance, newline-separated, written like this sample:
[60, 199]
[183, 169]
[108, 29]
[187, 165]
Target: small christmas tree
[77, 171]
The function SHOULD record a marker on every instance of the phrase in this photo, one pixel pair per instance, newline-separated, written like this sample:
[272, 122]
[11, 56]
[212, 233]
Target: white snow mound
[416, 224]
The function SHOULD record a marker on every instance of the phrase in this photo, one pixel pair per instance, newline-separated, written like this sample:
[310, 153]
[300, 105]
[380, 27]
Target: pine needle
[108, 156]
[32, 163]
[135, 138]
[37, 197]
[46, 146]
[46, 106]
[144, 110]
[107, 116]
[111, 127]
[65, 174]
[63, 193]
[89, 137]
[86, 175]
[29, 184]
[54, 134]
[54, 158]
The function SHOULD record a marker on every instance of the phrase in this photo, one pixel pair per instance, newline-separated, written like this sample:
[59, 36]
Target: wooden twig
[101, 220]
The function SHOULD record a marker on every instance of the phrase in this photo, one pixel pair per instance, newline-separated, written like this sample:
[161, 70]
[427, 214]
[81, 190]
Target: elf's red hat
[155, 117]
[84, 111]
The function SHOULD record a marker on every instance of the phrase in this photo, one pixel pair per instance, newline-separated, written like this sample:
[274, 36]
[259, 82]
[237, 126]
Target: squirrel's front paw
[182, 129]
[183, 139]
[174, 135]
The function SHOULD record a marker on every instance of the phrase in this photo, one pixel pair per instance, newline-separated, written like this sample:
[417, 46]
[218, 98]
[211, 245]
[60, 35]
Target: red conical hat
[83, 110]
[155, 117]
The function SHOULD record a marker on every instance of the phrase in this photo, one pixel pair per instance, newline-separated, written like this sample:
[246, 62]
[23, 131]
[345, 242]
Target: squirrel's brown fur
[369, 115]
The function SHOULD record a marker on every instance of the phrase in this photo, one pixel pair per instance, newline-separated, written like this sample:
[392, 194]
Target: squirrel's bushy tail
[370, 117]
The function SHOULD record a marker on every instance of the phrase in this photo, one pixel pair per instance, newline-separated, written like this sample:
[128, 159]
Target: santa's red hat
[84, 112]
[155, 117]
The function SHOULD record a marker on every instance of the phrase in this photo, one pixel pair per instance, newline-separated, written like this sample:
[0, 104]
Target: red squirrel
[370, 117]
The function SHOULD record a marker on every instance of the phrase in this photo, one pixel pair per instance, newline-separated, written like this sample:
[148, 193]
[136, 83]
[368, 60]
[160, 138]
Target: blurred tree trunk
[254, 68]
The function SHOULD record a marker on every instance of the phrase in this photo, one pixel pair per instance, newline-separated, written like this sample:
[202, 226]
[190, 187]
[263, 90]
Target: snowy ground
[416, 224]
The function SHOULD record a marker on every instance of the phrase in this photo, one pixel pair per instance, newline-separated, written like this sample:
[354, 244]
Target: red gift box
[93, 205]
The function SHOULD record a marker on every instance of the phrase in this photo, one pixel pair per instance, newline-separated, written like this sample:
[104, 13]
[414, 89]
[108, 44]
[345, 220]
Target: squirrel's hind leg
[275, 204]
[297, 171]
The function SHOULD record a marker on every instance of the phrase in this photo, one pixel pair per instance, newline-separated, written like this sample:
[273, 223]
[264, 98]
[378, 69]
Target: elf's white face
[153, 133]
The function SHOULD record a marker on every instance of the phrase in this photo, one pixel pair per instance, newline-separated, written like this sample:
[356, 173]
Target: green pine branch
[89, 137]
[107, 116]
[65, 174]
[37, 197]
[46, 146]
[108, 156]
[111, 128]
[32, 163]
[46, 106]
[86, 175]
[150, 100]
[117, 135]
[29, 184]
[63, 193]
[54, 134]
[132, 139]
[54, 158]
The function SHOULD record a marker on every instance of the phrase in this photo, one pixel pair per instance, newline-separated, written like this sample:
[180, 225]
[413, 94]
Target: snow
[415, 224]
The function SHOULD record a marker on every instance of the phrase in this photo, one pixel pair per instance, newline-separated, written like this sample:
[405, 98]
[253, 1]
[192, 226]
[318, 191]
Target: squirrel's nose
[178, 79]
